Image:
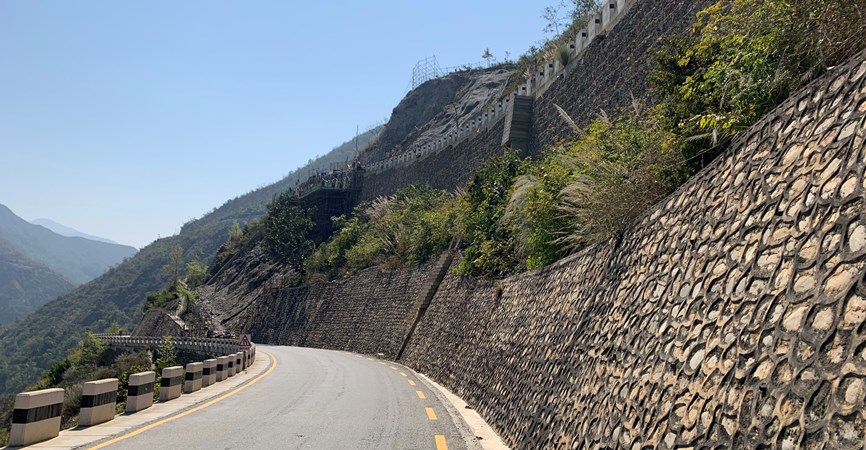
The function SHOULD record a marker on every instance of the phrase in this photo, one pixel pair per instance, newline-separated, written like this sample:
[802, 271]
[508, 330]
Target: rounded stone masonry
[231, 365]
[208, 372]
[222, 368]
[139, 393]
[36, 417]
[192, 380]
[98, 401]
[169, 386]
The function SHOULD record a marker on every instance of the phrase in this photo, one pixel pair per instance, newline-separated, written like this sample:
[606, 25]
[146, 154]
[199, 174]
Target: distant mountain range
[63, 230]
[38, 265]
[35, 343]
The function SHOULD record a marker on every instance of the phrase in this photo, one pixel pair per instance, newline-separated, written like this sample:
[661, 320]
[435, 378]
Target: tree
[553, 18]
[196, 274]
[487, 56]
[235, 232]
[286, 230]
[175, 262]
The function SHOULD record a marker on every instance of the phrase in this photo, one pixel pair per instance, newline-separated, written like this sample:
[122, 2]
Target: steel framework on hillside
[425, 69]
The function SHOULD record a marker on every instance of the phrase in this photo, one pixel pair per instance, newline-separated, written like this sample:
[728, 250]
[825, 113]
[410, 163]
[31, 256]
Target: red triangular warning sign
[245, 341]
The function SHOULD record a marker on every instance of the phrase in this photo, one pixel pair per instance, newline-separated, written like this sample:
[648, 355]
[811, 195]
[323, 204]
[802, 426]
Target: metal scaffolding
[426, 69]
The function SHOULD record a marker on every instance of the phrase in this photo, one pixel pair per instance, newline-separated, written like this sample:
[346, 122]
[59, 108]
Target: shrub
[196, 274]
[620, 169]
[744, 58]
[490, 244]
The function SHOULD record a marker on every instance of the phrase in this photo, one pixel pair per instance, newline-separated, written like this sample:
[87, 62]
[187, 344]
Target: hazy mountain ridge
[77, 259]
[30, 346]
[25, 285]
[63, 230]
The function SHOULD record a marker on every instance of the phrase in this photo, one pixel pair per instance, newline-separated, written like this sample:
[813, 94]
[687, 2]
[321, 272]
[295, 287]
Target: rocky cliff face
[435, 108]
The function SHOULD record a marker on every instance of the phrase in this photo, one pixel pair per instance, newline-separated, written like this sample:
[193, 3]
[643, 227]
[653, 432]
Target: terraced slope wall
[733, 315]
[607, 76]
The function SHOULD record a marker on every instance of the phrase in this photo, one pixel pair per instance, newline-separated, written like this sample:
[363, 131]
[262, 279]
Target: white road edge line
[489, 439]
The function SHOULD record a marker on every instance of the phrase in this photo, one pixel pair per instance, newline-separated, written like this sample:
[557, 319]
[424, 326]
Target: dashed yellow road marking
[431, 414]
[392, 367]
[370, 359]
[403, 373]
[189, 411]
[440, 442]
[411, 383]
[421, 395]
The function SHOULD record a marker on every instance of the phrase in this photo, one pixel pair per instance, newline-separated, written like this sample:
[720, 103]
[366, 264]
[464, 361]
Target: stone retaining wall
[368, 313]
[443, 170]
[729, 316]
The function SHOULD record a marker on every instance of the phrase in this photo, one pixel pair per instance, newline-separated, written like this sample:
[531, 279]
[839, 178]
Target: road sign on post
[246, 342]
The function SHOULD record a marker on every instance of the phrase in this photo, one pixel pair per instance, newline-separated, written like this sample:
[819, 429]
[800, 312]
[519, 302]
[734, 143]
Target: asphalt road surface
[319, 399]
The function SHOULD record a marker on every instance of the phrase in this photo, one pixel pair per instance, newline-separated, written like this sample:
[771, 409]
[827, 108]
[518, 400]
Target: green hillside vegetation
[34, 343]
[25, 285]
[744, 58]
[77, 259]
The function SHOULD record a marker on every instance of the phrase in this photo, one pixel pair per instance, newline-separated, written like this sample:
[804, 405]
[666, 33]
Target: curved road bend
[319, 399]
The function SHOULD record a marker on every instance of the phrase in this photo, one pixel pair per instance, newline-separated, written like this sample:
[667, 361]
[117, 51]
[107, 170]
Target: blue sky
[127, 119]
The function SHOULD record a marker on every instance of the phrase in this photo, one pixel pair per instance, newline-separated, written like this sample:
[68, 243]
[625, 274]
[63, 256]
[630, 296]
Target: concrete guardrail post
[230, 368]
[239, 362]
[222, 367]
[36, 416]
[170, 384]
[98, 402]
[192, 380]
[208, 372]
[139, 392]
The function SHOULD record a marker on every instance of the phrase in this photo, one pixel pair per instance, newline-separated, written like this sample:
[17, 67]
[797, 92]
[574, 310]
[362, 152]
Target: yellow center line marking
[403, 373]
[440, 442]
[431, 414]
[393, 367]
[189, 411]
[411, 383]
[421, 395]
[370, 359]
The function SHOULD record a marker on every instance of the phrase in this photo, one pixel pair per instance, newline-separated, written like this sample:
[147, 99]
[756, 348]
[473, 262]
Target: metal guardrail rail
[207, 345]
